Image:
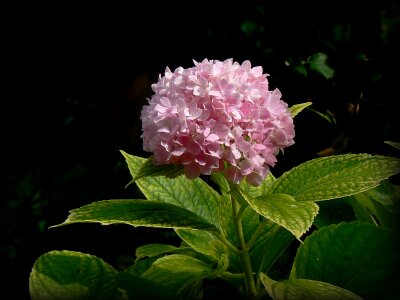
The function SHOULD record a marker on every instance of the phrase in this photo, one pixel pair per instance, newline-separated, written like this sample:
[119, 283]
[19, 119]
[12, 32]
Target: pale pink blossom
[217, 117]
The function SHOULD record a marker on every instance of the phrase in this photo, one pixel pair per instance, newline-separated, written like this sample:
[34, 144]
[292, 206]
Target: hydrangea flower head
[217, 116]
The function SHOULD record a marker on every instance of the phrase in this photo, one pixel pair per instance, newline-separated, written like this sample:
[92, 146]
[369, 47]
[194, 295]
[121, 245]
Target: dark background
[75, 79]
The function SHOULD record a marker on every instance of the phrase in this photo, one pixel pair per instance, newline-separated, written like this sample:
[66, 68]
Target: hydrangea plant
[213, 132]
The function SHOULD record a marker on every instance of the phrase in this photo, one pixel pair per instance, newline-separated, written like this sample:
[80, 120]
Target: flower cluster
[217, 116]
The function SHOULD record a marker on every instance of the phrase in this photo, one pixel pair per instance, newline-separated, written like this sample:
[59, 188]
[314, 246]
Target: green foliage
[72, 275]
[238, 233]
[298, 289]
[357, 256]
[184, 270]
[152, 250]
[297, 108]
[136, 287]
[295, 216]
[318, 63]
[336, 176]
[148, 169]
[137, 213]
[393, 144]
[194, 195]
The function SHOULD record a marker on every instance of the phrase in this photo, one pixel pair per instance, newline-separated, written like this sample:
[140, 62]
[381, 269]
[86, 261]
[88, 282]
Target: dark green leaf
[304, 289]
[176, 271]
[393, 144]
[151, 250]
[356, 256]
[72, 275]
[271, 243]
[334, 212]
[367, 209]
[318, 63]
[148, 168]
[141, 288]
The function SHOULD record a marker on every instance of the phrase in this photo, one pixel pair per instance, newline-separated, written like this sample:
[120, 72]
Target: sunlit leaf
[137, 213]
[335, 176]
[297, 108]
[262, 189]
[203, 242]
[192, 194]
[297, 217]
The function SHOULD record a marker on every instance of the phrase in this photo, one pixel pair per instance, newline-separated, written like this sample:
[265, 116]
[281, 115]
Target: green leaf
[248, 27]
[297, 108]
[380, 204]
[393, 144]
[301, 68]
[368, 210]
[225, 216]
[300, 289]
[270, 245]
[335, 176]
[193, 194]
[256, 191]
[72, 275]
[334, 212]
[152, 250]
[221, 181]
[137, 213]
[317, 63]
[387, 194]
[140, 266]
[203, 242]
[149, 169]
[176, 271]
[297, 217]
[141, 288]
[356, 256]
[249, 220]
[328, 116]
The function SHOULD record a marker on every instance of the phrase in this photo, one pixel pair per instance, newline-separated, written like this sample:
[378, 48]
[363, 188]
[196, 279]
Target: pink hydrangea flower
[217, 116]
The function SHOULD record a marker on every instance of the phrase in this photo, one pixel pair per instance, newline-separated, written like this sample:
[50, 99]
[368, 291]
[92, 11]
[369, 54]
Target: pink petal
[221, 130]
[192, 171]
[212, 137]
[233, 174]
[257, 71]
[242, 144]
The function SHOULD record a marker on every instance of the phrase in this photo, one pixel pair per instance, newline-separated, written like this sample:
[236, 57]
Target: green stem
[257, 233]
[226, 242]
[244, 251]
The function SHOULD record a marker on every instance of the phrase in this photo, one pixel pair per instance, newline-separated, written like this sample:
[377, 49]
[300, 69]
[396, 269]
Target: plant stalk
[244, 251]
